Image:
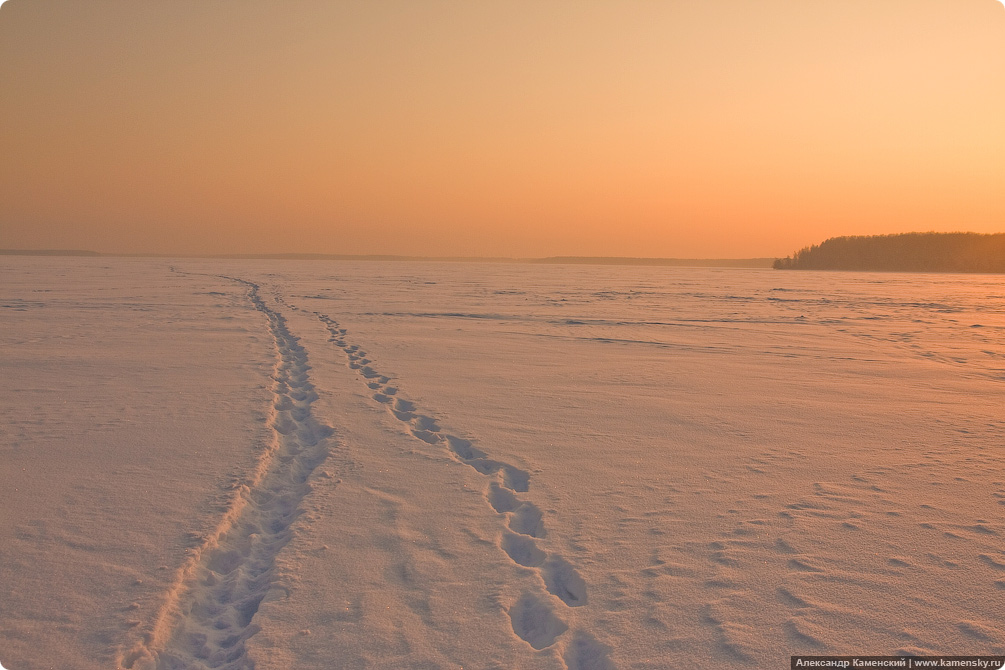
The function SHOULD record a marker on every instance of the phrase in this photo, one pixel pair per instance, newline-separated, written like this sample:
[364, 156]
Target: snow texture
[276, 464]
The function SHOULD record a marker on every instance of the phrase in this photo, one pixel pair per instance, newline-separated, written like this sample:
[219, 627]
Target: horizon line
[750, 262]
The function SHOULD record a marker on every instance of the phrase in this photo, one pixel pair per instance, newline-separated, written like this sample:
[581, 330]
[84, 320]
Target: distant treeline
[907, 252]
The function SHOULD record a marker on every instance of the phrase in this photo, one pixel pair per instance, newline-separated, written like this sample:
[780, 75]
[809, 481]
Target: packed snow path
[207, 615]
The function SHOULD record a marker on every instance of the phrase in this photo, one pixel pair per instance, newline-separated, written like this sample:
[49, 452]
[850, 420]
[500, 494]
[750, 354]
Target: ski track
[535, 617]
[208, 613]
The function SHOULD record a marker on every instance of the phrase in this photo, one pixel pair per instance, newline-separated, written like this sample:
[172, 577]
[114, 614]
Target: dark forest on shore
[906, 252]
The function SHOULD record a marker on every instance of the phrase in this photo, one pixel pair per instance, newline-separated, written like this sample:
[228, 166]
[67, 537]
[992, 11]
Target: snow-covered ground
[421, 465]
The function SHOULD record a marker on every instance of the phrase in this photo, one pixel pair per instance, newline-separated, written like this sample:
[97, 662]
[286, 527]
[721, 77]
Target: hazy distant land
[905, 252]
[47, 252]
[555, 260]
[908, 252]
[675, 262]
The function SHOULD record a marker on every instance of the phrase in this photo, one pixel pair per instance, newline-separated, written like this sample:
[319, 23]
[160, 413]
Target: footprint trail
[535, 617]
[208, 613]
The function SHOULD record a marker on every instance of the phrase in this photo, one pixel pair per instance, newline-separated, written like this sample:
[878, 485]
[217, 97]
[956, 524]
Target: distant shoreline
[763, 263]
[47, 252]
[667, 262]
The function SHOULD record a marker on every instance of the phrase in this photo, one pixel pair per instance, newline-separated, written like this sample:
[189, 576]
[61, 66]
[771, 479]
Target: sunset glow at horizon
[689, 129]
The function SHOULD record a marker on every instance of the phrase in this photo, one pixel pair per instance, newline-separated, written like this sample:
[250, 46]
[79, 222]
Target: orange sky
[682, 128]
